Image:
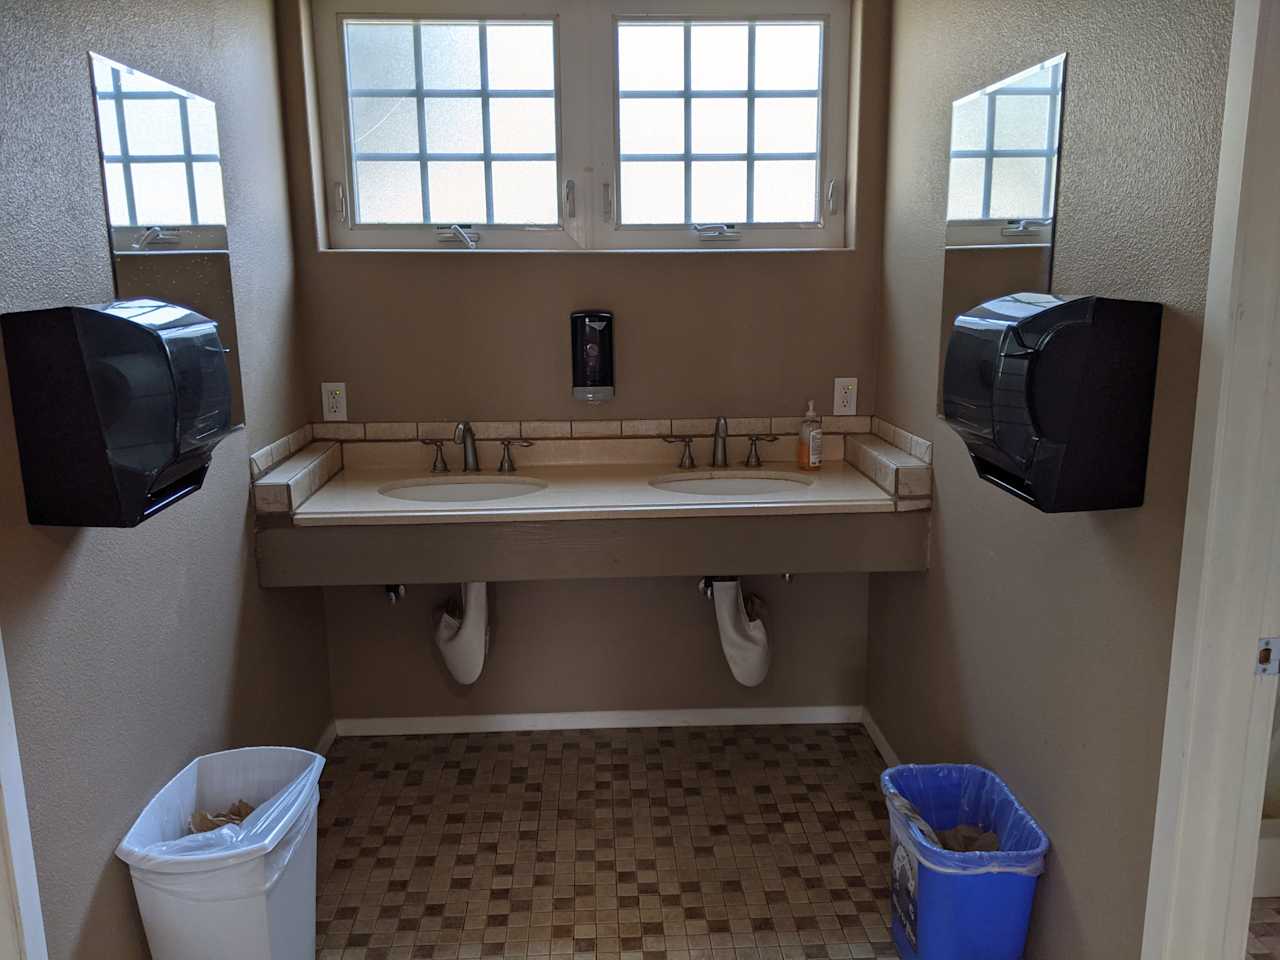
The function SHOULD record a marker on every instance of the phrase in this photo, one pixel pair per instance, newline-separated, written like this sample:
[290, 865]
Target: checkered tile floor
[752, 843]
[1264, 929]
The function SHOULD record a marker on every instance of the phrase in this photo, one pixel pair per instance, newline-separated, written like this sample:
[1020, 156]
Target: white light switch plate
[334, 398]
[845, 402]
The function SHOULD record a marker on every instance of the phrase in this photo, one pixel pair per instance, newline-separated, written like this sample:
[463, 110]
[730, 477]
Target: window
[1004, 158]
[577, 124]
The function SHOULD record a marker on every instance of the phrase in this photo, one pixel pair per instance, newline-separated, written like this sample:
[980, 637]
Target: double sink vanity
[382, 503]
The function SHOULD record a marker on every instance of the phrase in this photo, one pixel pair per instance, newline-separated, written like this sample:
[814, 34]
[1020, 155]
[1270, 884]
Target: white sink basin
[731, 483]
[462, 488]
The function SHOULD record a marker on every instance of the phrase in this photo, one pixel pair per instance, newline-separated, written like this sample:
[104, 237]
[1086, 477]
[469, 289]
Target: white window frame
[587, 125]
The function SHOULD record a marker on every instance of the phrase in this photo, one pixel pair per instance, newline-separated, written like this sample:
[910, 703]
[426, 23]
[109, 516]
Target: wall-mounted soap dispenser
[591, 334]
[117, 408]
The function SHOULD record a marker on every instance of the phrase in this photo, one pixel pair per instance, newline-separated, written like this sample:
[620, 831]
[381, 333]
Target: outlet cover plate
[845, 401]
[333, 399]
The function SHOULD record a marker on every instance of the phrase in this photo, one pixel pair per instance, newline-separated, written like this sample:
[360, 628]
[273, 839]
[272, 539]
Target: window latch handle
[340, 199]
[570, 200]
[716, 231]
[606, 209]
[831, 195]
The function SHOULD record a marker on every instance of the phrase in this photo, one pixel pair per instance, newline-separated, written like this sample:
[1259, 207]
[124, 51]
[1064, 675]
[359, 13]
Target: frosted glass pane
[117, 204]
[1017, 187]
[153, 127]
[720, 126]
[786, 191]
[108, 129]
[650, 56]
[450, 56]
[969, 124]
[788, 125]
[1041, 75]
[388, 191]
[524, 191]
[454, 125]
[380, 55]
[136, 82]
[457, 191]
[720, 192]
[103, 78]
[651, 126]
[788, 56]
[521, 56]
[202, 123]
[719, 56]
[209, 203]
[1022, 123]
[964, 189]
[160, 194]
[384, 125]
[522, 125]
[652, 192]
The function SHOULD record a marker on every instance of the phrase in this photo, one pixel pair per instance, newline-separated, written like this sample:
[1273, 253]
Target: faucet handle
[686, 456]
[460, 431]
[753, 456]
[508, 465]
[439, 464]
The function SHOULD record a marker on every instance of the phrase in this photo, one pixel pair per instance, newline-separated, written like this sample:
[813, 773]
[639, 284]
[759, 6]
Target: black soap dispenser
[591, 333]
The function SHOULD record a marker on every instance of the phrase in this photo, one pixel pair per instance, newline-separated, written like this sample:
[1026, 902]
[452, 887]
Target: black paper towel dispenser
[117, 407]
[1052, 395]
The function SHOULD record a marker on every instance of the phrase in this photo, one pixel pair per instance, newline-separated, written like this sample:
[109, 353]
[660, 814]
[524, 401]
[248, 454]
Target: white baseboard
[597, 720]
[1266, 880]
[887, 752]
[326, 739]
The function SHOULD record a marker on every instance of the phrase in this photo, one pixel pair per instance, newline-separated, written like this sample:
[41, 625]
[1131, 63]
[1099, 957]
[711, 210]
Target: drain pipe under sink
[463, 632]
[742, 632]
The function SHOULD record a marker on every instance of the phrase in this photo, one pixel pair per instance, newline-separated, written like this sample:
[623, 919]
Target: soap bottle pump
[809, 445]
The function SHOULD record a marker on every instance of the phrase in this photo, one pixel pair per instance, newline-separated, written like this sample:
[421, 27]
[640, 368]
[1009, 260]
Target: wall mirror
[162, 180]
[1002, 191]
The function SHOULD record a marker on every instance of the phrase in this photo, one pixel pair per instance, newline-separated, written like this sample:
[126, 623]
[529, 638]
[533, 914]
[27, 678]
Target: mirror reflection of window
[160, 156]
[1004, 158]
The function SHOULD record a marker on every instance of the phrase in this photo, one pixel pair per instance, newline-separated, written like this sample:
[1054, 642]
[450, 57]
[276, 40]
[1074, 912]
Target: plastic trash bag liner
[233, 861]
[948, 794]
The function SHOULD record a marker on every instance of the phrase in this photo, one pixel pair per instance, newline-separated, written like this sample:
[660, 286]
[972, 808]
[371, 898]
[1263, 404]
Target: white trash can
[241, 891]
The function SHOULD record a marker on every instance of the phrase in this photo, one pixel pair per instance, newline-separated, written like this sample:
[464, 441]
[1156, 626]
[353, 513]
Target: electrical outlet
[845, 403]
[333, 396]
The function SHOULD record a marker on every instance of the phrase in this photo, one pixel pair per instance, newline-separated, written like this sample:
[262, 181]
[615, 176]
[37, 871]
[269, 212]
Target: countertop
[588, 492]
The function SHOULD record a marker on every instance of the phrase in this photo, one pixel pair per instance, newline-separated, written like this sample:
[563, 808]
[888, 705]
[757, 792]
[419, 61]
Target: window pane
[788, 56]
[1022, 122]
[457, 191]
[969, 124]
[384, 125]
[117, 205]
[202, 122]
[450, 56]
[380, 56]
[160, 194]
[209, 203]
[720, 126]
[103, 75]
[136, 82]
[650, 56]
[524, 125]
[108, 129]
[521, 56]
[1017, 187]
[719, 56]
[524, 192]
[787, 125]
[651, 126]
[454, 125]
[720, 191]
[786, 191]
[388, 191]
[652, 192]
[153, 127]
[964, 189]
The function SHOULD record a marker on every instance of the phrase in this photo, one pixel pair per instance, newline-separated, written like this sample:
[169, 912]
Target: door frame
[1218, 720]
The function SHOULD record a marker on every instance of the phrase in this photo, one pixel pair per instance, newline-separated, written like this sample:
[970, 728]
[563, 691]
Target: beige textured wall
[1038, 645]
[131, 651]
[597, 645]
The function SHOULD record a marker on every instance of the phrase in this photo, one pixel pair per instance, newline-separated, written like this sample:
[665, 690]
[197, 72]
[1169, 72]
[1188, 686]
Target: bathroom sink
[458, 489]
[730, 483]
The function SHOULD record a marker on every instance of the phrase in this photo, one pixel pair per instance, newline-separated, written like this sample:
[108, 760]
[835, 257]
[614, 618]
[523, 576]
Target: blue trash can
[959, 906]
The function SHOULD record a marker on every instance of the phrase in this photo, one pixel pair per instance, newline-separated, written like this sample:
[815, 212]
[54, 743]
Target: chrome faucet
[719, 454]
[464, 435]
